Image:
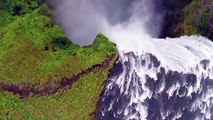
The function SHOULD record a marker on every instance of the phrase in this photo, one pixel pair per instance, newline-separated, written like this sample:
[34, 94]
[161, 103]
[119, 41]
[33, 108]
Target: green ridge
[33, 50]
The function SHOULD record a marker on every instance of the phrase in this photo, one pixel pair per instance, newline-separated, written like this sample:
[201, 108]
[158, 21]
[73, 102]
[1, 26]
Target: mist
[82, 20]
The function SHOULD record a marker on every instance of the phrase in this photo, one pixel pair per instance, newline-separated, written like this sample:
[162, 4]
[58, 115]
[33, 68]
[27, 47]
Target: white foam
[178, 54]
[182, 54]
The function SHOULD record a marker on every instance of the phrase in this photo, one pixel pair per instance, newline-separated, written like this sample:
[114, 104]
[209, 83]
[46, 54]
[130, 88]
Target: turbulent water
[157, 79]
[173, 80]
[153, 79]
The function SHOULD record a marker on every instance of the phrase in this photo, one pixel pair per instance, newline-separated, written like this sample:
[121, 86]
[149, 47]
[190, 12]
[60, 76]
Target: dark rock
[187, 17]
[173, 17]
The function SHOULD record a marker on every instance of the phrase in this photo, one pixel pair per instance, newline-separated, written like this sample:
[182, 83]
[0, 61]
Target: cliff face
[188, 17]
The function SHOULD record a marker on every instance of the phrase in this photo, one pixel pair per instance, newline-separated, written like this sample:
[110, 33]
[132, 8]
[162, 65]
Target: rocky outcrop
[188, 17]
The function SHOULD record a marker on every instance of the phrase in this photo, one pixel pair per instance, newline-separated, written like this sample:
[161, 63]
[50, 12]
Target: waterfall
[173, 80]
[153, 79]
[157, 79]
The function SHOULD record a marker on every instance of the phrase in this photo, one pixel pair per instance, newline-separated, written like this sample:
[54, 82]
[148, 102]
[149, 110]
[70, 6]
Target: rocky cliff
[188, 17]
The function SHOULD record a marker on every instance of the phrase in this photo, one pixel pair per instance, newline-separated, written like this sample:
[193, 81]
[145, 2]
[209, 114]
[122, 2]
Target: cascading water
[158, 79]
[153, 78]
[174, 83]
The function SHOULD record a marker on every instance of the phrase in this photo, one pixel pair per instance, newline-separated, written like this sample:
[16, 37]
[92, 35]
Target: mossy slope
[34, 50]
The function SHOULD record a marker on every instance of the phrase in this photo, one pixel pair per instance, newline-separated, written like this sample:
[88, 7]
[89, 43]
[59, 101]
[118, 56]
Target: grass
[32, 50]
[32, 46]
[79, 102]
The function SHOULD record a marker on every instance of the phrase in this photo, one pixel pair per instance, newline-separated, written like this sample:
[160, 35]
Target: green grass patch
[33, 50]
[79, 102]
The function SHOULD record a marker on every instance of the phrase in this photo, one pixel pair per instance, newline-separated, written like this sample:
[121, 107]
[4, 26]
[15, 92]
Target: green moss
[196, 18]
[203, 26]
[190, 12]
[33, 50]
[189, 29]
[102, 44]
[33, 44]
[79, 102]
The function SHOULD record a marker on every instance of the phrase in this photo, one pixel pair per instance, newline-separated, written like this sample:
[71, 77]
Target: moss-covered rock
[172, 24]
[188, 17]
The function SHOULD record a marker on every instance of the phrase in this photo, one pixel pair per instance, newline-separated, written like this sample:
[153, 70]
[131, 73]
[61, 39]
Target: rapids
[172, 80]
[153, 79]
[157, 79]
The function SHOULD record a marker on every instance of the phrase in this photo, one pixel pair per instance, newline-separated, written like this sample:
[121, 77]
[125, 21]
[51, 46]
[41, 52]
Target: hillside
[188, 17]
[43, 75]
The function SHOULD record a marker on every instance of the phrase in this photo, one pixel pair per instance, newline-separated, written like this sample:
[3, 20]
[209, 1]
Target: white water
[128, 95]
[177, 54]
[183, 55]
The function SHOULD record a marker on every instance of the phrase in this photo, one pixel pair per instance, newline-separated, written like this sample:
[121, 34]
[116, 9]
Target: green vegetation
[190, 13]
[77, 103]
[189, 29]
[197, 17]
[188, 17]
[203, 26]
[33, 50]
